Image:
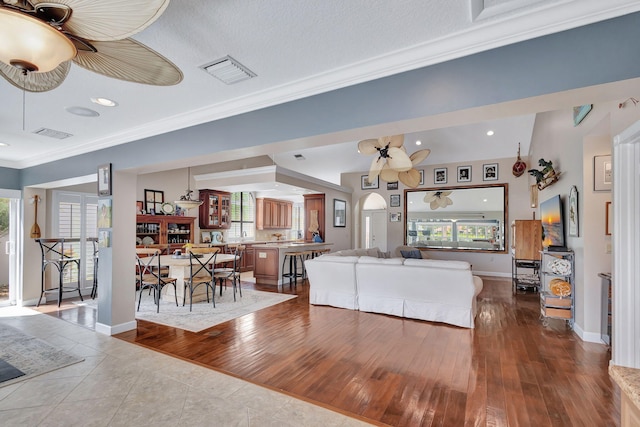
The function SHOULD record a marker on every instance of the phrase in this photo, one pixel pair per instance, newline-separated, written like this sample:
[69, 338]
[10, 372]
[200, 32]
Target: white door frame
[14, 245]
[380, 218]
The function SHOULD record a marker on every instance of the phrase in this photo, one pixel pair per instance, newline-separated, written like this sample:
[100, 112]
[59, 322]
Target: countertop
[293, 245]
[628, 379]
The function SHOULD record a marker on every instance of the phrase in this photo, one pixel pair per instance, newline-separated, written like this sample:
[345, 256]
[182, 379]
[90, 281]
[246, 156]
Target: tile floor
[121, 384]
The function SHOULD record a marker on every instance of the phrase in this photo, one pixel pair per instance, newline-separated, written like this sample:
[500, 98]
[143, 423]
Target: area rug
[30, 355]
[203, 315]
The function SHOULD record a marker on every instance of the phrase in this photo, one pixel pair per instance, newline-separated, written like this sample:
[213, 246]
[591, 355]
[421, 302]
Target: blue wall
[595, 54]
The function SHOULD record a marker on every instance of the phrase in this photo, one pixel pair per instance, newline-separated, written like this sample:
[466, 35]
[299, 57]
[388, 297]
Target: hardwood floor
[510, 370]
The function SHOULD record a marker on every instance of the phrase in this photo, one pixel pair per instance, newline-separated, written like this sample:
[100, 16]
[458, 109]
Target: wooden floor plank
[510, 370]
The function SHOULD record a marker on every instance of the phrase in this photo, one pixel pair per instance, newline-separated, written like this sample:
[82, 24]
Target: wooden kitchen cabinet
[314, 205]
[170, 230]
[273, 214]
[215, 212]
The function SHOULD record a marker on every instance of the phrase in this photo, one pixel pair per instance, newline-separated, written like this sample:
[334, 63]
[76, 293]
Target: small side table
[54, 253]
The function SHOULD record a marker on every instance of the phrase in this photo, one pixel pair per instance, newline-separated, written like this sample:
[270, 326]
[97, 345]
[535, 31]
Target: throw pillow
[411, 254]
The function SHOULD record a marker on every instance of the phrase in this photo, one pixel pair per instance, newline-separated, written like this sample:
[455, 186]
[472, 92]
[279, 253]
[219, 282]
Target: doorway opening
[374, 222]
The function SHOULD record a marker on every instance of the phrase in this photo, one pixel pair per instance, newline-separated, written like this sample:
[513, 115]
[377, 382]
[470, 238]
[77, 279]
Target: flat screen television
[552, 222]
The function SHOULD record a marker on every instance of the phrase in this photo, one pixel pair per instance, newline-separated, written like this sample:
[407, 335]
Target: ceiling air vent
[299, 157]
[52, 133]
[228, 70]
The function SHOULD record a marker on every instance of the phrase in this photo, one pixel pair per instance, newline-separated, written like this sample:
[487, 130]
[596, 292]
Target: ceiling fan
[392, 162]
[41, 38]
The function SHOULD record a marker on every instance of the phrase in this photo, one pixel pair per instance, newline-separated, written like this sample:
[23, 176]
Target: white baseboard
[491, 273]
[112, 330]
[593, 337]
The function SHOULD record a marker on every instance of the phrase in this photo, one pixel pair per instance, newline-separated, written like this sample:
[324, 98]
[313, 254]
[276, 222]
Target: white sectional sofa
[434, 290]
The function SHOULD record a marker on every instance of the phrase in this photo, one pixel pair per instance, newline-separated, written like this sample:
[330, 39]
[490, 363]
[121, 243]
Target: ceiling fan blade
[368, 146]
[393, 141]
[398, 159]
[376, 166]
[35, 82]
[109, 20]
[387, 174]
[419, 156]
[410, 178]
[131, 61]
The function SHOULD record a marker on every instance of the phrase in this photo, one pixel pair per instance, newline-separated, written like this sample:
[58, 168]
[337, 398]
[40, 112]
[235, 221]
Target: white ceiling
[296, 50]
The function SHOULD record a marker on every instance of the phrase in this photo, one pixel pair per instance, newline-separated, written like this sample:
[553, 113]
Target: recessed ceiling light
[3, 144]
[484, 200]
[105, 102]
[81, 111]
[418, 142]
[489, 133]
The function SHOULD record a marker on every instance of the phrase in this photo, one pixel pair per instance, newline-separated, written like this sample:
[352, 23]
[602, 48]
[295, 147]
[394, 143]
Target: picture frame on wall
[395, 217]
[394, 200]
[366, 185]
[339, 213]
[580, 112]
[464, 173]
[602, 173]
[573, 212]
[392, 185]
[608, 227]
[490, 172]
[104, 180]
[440, 176]
[153, 200]
[104, 213]
[421, 177]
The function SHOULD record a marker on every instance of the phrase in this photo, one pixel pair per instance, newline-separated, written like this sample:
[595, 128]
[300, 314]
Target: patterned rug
[203, 315]
[30, 355]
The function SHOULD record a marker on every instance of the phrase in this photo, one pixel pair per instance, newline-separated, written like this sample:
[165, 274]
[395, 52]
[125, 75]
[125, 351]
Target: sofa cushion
[372, 252]
[337, 258]
[414, 253]
[373, 260]
[436, 263]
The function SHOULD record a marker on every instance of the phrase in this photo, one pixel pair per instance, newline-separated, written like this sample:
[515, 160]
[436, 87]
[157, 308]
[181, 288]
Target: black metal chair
[231, 273]
[202, 263]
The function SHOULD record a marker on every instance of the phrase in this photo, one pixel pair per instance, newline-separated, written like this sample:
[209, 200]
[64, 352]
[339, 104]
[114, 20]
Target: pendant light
[186, 202]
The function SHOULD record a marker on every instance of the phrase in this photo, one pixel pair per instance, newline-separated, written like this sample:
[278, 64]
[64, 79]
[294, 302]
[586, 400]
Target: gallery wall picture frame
[153, 200]
[392, 185]
[602, 173]
[395, 217]
[574, 228]
[104, 180]
[440, 176]
[421, 177]
[464, 173]
[608, 226]
[490, 172]
[104, 213]
[366, 185]
[339, 213]
[394, 200]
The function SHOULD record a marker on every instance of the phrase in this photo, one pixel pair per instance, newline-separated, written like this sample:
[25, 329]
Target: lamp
[186, 202]
[30, 44]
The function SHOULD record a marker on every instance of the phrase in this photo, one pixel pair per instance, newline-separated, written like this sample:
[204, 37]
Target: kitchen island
[269, 257]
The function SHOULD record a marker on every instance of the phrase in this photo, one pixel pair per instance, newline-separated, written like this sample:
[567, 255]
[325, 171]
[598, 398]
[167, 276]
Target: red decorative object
[519, 166]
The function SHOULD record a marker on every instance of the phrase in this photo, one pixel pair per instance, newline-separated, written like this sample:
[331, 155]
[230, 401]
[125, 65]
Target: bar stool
[318, 252]
[54, 253]
[293, 266]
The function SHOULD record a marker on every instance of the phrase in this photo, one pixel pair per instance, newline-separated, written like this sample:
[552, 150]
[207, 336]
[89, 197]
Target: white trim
[101, 328]
[483, 36]
[10, 194]
[491, 274]
[626, 248]
[587, 336]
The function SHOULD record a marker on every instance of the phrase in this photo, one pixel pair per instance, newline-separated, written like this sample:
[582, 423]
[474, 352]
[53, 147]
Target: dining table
[179, 267]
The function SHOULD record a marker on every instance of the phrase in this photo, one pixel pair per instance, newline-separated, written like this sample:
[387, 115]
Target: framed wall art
[573, 212]
[392, 185]
[153, 200]
[394, 200]
[339, 213]
[602, 173]
[490, 172]
[104, 180]
[464, 173]
[440, 176]
[366, 185]
[421, 177]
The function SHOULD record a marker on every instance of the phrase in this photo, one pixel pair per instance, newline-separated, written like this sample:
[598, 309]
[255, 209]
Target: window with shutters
[243, 212]
[75, 217]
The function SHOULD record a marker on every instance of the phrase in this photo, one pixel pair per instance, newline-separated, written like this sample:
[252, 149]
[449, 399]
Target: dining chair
[149, 275]
[202, 262]
[231, 273]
